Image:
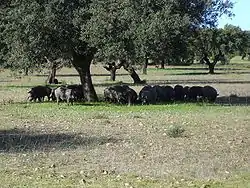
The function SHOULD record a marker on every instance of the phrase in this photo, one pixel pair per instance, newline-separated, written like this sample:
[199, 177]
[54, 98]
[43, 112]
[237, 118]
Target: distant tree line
[35, 34]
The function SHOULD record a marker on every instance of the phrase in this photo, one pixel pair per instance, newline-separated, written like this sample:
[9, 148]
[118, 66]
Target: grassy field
[103, 145]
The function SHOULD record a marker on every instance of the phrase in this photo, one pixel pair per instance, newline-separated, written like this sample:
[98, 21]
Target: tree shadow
[189, 73]
[17, 86]
[119, 83]
[99, 103]
[77, 75]
[195, 68]
[233, 100]
[179, 81]
[17, 140]
[197, 81]
[205, 73]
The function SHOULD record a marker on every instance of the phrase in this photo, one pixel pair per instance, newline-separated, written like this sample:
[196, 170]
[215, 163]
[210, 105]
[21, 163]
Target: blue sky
[242, 15]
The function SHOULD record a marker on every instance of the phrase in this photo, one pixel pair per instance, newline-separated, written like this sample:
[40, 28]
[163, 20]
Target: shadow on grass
[54, 86]
[16, 140]
[233, 100]
[77, 75]
[186, 81]
[166, 82]
[119, 83]
[205, 73]
[195, 68]
[99, 103]
[188, 73]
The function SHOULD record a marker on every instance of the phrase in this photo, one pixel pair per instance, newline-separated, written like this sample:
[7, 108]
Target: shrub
[175, 131]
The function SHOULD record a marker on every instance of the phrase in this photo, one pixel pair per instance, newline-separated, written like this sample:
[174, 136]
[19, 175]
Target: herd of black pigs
[123, 94]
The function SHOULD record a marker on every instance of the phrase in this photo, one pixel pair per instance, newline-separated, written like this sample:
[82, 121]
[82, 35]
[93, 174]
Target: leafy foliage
[213, 42]
[119, 29]
[35, 29]
[148, 29]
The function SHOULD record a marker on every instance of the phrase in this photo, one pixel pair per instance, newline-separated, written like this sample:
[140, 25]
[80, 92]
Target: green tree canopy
[219, 44]
[114, 29]
[148, 28]
[35, 29]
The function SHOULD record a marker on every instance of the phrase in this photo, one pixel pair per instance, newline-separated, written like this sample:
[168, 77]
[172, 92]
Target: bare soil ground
[103, 145]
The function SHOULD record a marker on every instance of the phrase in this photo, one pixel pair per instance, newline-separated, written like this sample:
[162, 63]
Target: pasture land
[104, 145]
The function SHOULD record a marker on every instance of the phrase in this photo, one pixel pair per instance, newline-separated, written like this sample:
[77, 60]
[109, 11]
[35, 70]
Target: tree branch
[107, 67]
[110, 66]
[119, 65]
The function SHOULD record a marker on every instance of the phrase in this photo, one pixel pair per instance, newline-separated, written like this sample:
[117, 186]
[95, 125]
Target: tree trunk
[112, 68]
[52, 75]
[26, 71]
[132, 72]
[243, 56]
[82, 65]
[162, 64]
[112, 74]
[211, 65]
[211, 68]
[145, 66]
[135, 76]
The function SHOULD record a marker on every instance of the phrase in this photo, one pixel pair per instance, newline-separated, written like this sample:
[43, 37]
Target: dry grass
[100, 145]
[134, 140]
